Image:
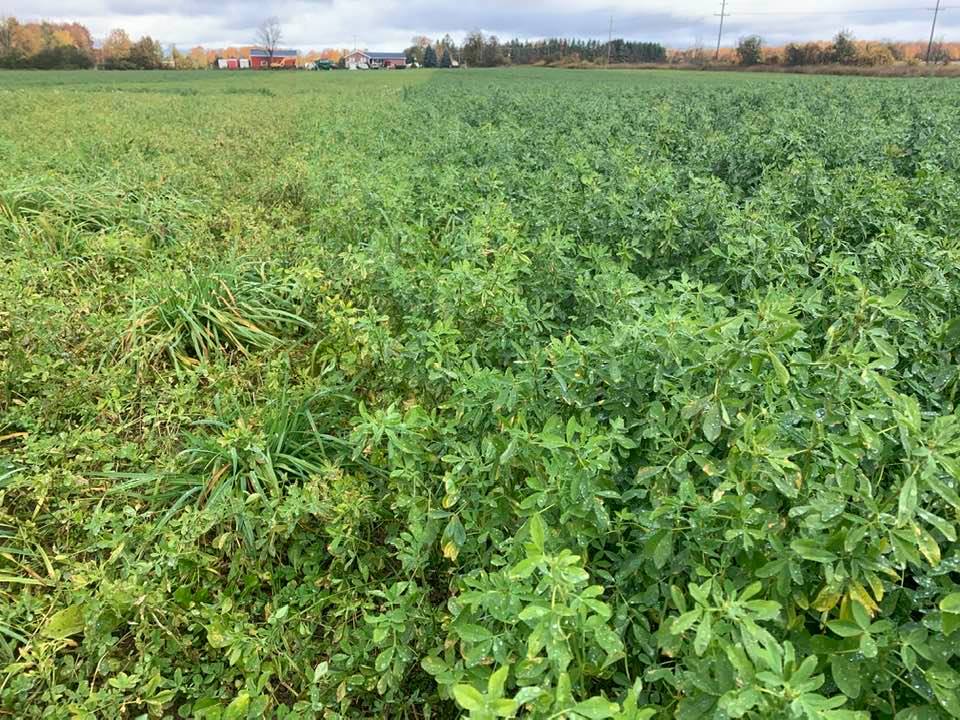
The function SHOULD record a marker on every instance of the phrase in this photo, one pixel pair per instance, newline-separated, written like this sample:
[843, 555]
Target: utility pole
[723, 14]
[933, 29]
[610, 41]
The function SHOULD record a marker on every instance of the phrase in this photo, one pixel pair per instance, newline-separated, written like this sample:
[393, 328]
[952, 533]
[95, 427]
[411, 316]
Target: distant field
[507, 393]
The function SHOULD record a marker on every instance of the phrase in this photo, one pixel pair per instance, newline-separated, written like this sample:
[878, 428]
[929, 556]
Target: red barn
[283, 59]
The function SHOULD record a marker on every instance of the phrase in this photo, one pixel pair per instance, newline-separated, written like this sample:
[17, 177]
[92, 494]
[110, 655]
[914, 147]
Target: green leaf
[237, 709]
[941, 488]
[845, 628]
[497, 682]
[468, 697]
[433, 665]
[320, 671]
[950, 623]
[596, 708]
[686, 621]
[18, 580]
[64, 623]
[711, 423]
[663, 550]
[473, 633]
[782, 375]
[502, 707]
[527, 694]
[951, 603]
[645, 473]
[608, 640]
[679, 601]
[846, 674]
[908, 499]
[533, 612]
[537, 532]
[737, 703]
[384, 659]
[524, 568]
[704, 635]
[812, 550]
[763, 609]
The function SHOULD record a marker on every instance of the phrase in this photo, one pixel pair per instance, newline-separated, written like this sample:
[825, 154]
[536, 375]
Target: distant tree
[446, 61]
[473, 49]
[493, 52]
[793, 55]
[418, 44]
[80, 35]
[875, 54]
[697, 55]
[60, 57]
[197, 59]
[807, 54]
[443, 44]
[116, 47]
[750, 50]
[146, 54]
[896, 50]
[844, 49]
[8, 31]
[269, 36]
[939, 53]
[430, 57]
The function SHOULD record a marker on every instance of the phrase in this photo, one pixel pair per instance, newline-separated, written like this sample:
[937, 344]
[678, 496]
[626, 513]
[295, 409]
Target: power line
[723, 14]
[842, 12]
[933, 29]
[610, 41]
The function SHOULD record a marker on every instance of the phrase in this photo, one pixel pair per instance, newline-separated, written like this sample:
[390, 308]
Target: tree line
[479, 50]
[70, 46]
[844, 49]
[46, 45]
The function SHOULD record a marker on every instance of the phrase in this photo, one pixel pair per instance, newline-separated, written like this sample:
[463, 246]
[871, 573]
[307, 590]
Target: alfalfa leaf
[64, 623]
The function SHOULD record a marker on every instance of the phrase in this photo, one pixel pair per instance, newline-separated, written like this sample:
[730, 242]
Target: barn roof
[257, 52]
[382, 55]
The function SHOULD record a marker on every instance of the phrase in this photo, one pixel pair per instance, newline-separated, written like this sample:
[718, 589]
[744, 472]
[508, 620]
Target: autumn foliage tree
[121, 53]
[44, 45]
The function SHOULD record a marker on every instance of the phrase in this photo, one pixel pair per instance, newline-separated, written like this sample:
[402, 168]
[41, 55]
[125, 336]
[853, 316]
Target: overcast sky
[389, 24]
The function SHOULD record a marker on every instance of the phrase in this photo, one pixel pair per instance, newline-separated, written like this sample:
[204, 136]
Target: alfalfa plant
[237, 309]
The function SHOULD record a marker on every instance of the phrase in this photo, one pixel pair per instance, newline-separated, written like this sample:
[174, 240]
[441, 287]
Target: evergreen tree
[430, 57]
[446, 61]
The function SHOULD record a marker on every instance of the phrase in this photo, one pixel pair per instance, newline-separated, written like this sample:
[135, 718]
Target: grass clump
[200, 315]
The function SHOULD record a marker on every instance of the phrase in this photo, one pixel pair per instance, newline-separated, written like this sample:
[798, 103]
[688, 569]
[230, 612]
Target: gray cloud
[388, 24]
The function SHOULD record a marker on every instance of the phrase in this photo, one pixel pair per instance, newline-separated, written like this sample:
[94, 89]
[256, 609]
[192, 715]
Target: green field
[520, 393]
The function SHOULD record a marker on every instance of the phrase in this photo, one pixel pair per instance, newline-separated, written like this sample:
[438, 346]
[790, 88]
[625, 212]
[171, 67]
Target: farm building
[233, 64]
[285, 59]
[359, 58]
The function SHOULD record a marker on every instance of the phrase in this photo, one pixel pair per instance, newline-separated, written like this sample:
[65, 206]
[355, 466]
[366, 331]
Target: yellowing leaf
[64, 623]
[859, 593]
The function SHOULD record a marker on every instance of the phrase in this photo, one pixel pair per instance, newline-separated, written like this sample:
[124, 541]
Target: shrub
[843, 50]
[873, 54]
[750, 50]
